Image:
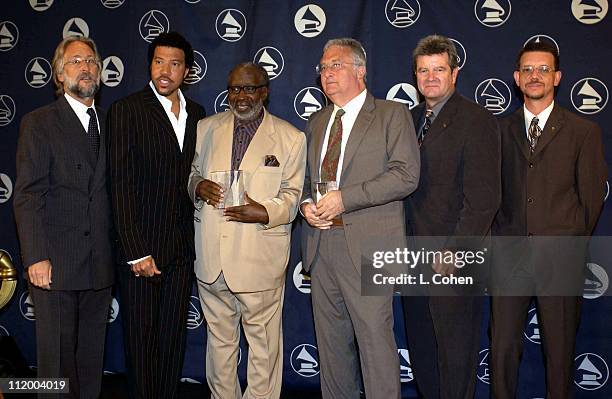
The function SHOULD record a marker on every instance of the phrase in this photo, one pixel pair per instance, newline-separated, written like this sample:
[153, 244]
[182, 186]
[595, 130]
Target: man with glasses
[367, 148]
[63, 216]
[553, 181]
[243, 250]
[152, 135]
[457, 198]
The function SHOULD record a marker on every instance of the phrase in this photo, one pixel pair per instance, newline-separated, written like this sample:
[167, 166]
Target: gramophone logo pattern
[545, 39]
[483, 372]
[461, 53]
[406, 374]
[7, 109]
[112, 3]
[221, 104]
[271, 60]
[4, 332]
[26, 306]
[112, 71]
[308, 101]
[194, 313]
[596, 281]
[198, 69]
[192, 1]
[532, 329]
[310, 20]
[492, 13]
[589, 96]
[231, 25]
[152, 24]
[6, 188]
[305, 360]
[113, 311]
[75, 27]
[607, 190]
[404, 93]
[187, 379]
[592, 371]
[301, 280]
[589, 11]
[41, 5]
[493, 94]
[402, 13]
[9, 35]
[38, 72]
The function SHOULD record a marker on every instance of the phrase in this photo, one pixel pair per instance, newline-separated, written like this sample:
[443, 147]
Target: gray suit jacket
[61, 200]
[380, 168]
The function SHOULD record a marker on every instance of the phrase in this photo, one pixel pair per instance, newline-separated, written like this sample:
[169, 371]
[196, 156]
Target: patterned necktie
[534, 133]
[329, 167]
[428, 115]
[93, 134]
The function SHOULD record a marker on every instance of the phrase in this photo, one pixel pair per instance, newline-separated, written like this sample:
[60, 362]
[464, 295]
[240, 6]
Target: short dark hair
[263, 75]
[433, 45]
[172, 39]
[541, 46]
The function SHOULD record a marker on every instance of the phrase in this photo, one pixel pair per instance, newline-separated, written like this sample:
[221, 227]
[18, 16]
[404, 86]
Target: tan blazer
[253, 257]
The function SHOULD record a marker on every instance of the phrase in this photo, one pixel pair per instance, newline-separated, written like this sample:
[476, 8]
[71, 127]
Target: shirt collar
[542, 116]
[165, 102]
[438, 107]
[78, 107]
[354, 106]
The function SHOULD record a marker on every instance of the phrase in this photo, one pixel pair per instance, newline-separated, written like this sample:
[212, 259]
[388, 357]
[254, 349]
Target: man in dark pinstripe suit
[152, 135]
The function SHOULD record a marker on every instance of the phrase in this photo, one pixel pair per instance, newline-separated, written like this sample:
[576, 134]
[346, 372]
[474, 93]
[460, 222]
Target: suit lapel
[359, 130]
[159, 114]
[222, 145]
[551, 129]
[100, 165]
[442, 121]
[318, 131]
[73, 128]
[190, 129]
[517, 127]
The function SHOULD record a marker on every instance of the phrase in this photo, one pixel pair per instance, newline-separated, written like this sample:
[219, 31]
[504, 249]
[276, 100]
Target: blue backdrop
[287, 37]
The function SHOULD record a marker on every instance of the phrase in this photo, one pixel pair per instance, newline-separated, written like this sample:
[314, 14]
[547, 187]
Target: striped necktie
[329, 167]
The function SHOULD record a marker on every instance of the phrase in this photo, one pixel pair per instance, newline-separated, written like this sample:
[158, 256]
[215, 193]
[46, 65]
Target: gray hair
[436, 44]
[58, 59]
[356, 48]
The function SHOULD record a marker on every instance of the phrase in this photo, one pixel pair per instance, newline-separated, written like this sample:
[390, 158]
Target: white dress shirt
[177, 124]
[542, 117]
[80, 110]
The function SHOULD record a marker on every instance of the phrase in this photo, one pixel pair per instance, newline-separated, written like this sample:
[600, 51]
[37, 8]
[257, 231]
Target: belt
[337, 222]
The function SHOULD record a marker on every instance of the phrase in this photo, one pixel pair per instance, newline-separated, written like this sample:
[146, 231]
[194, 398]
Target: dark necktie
[93, 134]
[534, 133]
[329, 167]
[428, 115]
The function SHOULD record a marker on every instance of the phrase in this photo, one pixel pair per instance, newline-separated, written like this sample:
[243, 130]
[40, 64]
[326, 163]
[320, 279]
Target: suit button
[530, 200]
[79, 166]
[529, 234]
[86, 234]
[530, 166]
[90, 199]
[223, 236]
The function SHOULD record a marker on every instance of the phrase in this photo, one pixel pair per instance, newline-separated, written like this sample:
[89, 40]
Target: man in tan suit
[242, 251]
[369, 148]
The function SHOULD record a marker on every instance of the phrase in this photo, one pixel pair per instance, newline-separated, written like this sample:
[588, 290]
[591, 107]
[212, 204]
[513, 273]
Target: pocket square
[270, 160]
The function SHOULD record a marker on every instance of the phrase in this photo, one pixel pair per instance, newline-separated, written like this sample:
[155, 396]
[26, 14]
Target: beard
[84, 91]
[248, 115]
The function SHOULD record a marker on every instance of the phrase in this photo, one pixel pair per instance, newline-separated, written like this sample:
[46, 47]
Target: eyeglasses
[246, 89]
[542, 69]
[334, 66]
[77, 61]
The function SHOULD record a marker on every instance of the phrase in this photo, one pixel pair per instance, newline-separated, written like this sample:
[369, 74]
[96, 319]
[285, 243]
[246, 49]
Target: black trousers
[443, 334]
[70, 333]
[154, 315]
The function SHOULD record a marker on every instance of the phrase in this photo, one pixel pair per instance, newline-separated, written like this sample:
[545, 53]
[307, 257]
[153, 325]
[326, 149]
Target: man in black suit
[152, 135]
[64, 221]
[553, 181]
[457, 197]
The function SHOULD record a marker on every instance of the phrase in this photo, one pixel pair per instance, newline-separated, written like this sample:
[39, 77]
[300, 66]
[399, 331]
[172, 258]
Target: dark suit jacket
[61, 201]
[380, 168]
[148, 179]
[559, 190]
[459, 191]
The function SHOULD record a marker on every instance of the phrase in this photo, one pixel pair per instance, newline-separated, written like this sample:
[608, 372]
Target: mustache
[86, 75]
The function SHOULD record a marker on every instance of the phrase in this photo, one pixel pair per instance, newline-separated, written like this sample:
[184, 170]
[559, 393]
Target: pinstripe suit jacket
[61, 200]
[148, 179]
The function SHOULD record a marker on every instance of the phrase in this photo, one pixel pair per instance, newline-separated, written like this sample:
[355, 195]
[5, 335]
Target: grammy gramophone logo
[8, 278]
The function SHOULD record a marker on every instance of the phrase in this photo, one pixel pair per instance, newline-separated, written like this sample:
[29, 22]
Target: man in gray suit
[63, 218]
[368, 147]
